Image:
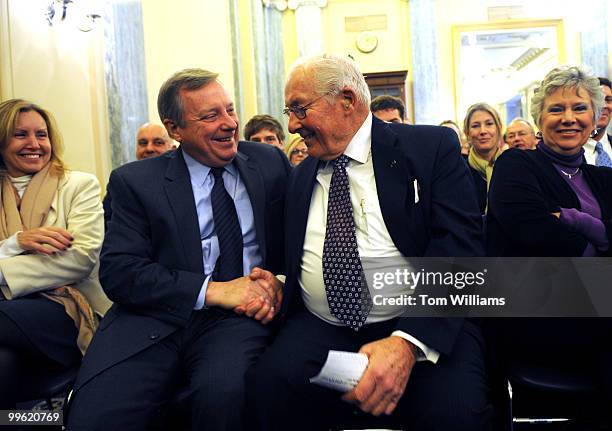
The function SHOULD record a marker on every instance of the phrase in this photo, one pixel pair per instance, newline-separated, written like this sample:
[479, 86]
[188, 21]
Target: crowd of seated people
[198, 243]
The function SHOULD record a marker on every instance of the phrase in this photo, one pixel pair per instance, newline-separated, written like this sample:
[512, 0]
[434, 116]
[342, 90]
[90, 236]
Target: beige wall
[393, 52]
[453, 12]
[57, 67]
[185, 33]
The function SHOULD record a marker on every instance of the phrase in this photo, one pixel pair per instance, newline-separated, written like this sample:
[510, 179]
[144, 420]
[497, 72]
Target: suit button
[153, 336]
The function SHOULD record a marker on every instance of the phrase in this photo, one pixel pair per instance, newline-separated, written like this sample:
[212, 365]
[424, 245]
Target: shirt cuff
[424, 353]
[201, 301]
[10, 247]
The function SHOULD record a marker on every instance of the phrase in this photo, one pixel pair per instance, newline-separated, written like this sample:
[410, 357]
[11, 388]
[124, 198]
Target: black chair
[537, 386]
[47, 384]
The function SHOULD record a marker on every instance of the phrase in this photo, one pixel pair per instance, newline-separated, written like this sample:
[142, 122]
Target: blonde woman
[51, 231]
[483, 129]
[296, 150]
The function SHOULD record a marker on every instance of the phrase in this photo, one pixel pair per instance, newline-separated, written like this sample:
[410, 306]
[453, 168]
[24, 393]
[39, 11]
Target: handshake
[258, 295]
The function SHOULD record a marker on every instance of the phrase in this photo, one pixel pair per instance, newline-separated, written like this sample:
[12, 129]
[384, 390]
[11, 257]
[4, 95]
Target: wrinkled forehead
[299, 87]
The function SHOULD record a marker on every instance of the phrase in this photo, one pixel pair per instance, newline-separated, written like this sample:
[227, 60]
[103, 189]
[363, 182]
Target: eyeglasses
[298, 151]
[300, 111]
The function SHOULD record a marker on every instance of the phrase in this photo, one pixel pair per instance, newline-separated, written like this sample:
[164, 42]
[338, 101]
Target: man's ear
[349, 98]
[173, 129]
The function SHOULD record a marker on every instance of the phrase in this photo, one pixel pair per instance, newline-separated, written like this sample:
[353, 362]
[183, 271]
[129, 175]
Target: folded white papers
[341, 371]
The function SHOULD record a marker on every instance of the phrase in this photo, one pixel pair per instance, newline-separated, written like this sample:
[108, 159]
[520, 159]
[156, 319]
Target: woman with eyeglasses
[296, 150]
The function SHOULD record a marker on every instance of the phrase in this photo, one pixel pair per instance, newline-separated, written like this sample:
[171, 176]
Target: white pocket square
[416, 191]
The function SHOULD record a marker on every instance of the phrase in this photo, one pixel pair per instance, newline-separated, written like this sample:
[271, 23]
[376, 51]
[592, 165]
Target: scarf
[29, 212]
[482, 166]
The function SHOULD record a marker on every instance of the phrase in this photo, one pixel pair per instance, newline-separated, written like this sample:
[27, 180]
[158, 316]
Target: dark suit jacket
[151, 262]
[445, 221]
[480, 185]
[525, 189]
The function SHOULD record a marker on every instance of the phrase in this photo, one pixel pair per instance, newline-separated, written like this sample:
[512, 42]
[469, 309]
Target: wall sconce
[84, 16]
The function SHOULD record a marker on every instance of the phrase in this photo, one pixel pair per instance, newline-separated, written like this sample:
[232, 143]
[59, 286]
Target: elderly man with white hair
[368, 189]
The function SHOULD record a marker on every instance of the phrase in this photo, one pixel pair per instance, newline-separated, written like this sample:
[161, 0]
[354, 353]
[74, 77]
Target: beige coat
[76, 207]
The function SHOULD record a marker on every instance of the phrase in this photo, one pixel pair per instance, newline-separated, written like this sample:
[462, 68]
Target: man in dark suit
[369, 189]
[182, 260]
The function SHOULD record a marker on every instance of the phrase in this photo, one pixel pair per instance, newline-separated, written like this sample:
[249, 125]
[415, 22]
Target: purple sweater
[587, 220]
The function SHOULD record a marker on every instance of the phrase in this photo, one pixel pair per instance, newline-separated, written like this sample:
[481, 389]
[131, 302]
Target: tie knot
[599, 147]
[341, 162]
[217, 172]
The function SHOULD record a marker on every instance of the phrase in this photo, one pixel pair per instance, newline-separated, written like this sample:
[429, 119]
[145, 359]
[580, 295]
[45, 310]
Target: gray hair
[567, 77]
[332, 73]
[521, 120]
[169, 104]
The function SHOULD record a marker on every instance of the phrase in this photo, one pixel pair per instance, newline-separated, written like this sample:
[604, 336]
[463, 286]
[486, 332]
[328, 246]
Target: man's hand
[258, 308]
[46, 240]
[384, 381]
[256, 295]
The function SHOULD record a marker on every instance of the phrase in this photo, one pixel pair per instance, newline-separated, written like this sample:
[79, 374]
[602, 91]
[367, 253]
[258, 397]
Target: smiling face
[28, 150]
[210, 134]
[567, 120]
[152, 141]
[328, 127]
[483, 134]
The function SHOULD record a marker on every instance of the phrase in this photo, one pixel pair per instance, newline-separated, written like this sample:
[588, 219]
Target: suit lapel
[182, 204]
[394, 183]
[251, 177]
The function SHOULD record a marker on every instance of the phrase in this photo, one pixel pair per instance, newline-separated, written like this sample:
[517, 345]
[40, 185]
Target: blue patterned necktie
[227, 227]
[345, 287]
[602, 157]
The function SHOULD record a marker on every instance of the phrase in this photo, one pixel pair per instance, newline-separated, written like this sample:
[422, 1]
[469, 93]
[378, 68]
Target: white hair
[332, 73]
[567, 77]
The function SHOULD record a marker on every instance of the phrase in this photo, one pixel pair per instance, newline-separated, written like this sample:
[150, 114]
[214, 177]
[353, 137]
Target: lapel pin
[393, 163]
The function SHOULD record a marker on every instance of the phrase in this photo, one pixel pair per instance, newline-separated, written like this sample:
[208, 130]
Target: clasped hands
[258, 295]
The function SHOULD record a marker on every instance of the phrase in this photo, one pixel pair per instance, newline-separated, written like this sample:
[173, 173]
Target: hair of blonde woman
[567, 77]
[169, 104]
[9, 114]
[485, 107]
[331, 73]
[293, 142]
